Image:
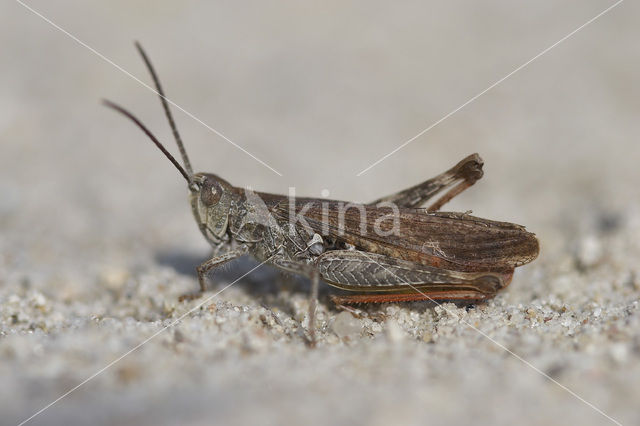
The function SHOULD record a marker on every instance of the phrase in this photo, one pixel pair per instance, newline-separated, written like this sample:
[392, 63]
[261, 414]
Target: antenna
[151, 136]
[167, 111]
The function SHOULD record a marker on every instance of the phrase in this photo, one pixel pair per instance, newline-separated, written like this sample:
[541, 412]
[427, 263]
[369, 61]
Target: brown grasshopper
[389, 250]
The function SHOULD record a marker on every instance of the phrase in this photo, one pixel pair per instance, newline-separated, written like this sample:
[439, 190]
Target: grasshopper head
[210, 195]
[210, 202]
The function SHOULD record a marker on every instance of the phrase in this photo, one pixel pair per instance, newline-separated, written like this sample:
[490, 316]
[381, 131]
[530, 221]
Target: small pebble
[395, 333]
[589, 251]
[346, 325]
[38, 300]
[619, 352]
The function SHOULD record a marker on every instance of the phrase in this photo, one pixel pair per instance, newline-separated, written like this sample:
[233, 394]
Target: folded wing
[452, 241]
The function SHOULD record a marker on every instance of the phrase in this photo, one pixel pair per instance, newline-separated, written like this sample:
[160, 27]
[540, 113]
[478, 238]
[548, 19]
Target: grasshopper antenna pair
[186, 171]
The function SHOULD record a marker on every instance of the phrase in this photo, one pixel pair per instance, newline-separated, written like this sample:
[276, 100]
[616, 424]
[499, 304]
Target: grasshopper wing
[452, 241]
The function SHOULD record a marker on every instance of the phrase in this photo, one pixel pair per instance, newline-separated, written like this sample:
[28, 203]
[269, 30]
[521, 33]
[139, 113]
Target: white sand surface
[97, 240]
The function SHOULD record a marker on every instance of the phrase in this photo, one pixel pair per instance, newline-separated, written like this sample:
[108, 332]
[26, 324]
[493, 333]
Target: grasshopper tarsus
[355, 312]
[390, 250]
[188, 297]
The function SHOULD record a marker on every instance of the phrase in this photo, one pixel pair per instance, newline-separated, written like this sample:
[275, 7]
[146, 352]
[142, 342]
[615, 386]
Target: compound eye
[210, 193]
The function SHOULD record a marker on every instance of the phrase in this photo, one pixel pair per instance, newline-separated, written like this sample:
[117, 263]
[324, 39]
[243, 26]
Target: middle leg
[310, 271]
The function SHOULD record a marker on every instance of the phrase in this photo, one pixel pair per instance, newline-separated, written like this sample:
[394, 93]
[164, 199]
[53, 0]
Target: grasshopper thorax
[210, 199]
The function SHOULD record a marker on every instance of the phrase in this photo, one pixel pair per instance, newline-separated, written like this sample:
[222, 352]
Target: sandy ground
[97, 241]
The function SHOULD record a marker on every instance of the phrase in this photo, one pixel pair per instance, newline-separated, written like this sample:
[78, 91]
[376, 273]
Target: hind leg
[465, 173]
[376, 278]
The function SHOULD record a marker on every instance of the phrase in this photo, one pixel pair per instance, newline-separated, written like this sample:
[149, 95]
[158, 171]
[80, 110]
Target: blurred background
[319, 92]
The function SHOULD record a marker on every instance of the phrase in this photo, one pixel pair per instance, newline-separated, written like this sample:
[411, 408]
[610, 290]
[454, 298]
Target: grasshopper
[390, 250]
